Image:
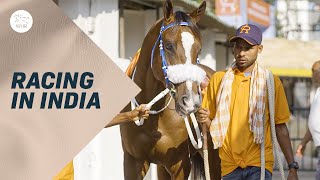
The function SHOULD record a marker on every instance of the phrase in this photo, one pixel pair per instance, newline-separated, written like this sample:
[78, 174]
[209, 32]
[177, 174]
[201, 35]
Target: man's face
[316, 74]
[245, 53]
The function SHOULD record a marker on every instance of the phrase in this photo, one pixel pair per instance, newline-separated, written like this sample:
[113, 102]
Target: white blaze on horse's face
[192, 102]
[189, 75]
[187, 43]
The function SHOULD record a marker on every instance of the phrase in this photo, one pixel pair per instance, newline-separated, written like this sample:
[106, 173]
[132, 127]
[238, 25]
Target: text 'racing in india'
[63, 99]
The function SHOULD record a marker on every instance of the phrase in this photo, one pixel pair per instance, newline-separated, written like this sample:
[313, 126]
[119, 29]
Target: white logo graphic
[228, 4]
[21, 21]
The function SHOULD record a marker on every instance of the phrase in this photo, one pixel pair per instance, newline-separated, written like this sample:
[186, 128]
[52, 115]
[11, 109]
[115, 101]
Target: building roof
[290, 58]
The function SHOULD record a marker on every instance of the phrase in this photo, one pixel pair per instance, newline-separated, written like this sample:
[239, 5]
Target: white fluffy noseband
[185, 72]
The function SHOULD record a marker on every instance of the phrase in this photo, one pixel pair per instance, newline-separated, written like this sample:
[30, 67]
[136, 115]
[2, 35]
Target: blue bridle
[162, 52]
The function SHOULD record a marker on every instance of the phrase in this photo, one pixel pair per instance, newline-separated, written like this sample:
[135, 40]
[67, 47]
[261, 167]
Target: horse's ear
[168, 11]
[197, 13]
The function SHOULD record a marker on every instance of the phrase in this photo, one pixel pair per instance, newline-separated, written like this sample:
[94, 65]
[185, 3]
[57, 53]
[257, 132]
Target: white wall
[212, 55]
[101, 23]
[208, 54]
[137, 25]
[134, 31]
[150, 18]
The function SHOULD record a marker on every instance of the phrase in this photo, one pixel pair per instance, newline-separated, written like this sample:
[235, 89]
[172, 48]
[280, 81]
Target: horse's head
[175, 63]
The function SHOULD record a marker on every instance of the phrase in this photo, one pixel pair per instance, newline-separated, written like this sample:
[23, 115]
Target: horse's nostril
[184, 100]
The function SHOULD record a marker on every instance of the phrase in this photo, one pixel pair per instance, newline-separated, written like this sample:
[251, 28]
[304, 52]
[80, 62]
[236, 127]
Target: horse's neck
[144, 77]
[149, 85]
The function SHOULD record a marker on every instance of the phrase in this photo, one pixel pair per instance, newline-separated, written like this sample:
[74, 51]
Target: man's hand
[307, 137]
[293, 175]
[285, 144]
[204, 85]
[203, 116]
[140, 112]
[300, 150]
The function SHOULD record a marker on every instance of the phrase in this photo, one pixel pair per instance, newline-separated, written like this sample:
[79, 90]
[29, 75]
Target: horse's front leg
[163, 174]
[214, 161]
[134, 169]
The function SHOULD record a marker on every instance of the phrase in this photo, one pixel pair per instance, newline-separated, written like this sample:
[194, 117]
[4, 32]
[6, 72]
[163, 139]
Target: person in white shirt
[313, 132]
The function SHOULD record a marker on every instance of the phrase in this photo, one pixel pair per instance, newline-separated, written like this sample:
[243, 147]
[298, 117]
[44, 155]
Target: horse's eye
[169, 46]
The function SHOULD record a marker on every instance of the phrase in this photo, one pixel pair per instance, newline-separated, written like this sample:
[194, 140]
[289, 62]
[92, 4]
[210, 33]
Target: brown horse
[163, 138]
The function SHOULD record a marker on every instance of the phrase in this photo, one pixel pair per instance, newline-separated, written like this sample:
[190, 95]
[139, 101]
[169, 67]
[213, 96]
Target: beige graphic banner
[57, 91]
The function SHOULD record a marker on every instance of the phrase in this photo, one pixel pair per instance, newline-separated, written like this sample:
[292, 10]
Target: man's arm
[136, 114]
[285, 145]
[120, 118]
[307, 137]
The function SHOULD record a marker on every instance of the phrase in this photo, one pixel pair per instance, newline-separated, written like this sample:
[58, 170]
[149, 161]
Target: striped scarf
[257, 101]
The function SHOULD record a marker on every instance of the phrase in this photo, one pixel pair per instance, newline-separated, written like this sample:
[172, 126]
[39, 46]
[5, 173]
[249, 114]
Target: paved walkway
[304, 175]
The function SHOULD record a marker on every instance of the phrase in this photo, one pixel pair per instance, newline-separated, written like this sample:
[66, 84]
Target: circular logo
[21, 21]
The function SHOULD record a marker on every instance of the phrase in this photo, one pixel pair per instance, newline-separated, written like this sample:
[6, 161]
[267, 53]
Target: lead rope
[262, 155]
[197, 144]
[270, 85]
[135, 104]
[162, 94]
[205, 152]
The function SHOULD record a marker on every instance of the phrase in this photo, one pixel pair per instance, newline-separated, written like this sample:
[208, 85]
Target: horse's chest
[156, 138]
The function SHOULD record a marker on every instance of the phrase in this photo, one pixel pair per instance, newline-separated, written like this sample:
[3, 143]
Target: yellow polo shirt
[238, 149]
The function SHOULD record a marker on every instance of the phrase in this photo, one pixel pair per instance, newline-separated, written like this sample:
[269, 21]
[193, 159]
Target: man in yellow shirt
[235, 107]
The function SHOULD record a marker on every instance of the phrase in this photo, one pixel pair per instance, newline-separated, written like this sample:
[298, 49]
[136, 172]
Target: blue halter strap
[162, 52]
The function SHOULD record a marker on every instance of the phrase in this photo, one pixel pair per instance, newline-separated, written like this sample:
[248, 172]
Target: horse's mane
[183, 17]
